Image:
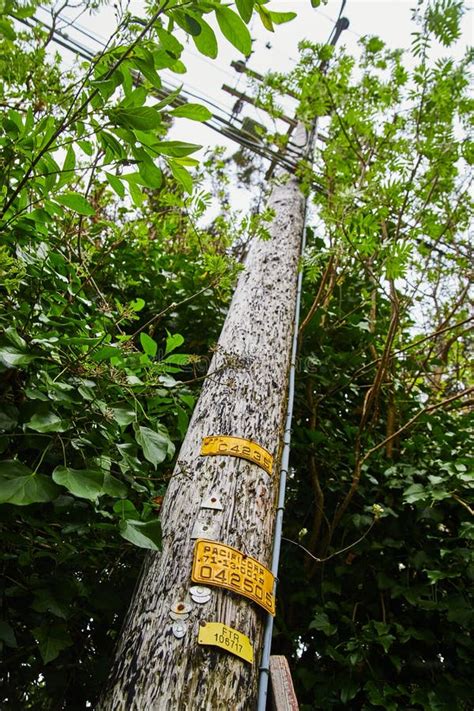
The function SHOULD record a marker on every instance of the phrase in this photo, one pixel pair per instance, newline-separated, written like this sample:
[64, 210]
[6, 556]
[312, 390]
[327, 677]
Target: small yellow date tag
[227, 638]
[225, 567]
[238, 447]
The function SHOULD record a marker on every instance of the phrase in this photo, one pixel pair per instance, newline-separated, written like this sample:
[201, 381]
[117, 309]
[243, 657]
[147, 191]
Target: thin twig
[343, 550]
[463, 503]
[424, 411]
[174, 305]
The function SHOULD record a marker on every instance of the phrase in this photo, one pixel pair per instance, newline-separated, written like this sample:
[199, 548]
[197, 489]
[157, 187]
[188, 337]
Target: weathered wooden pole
[159, 663]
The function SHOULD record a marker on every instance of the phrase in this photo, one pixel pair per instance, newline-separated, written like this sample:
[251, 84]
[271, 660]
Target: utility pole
[192, 639]
[244, 395]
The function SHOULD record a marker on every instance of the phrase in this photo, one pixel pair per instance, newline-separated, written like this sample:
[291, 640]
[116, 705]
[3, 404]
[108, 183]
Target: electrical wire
[221, 124]
[79, 28]
[73, 45]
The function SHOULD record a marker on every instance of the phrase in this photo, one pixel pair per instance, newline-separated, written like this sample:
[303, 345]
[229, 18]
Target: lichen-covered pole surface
[244, 396]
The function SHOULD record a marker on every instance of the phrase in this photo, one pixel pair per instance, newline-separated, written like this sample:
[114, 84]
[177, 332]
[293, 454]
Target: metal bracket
[212, 502]
[204, 529]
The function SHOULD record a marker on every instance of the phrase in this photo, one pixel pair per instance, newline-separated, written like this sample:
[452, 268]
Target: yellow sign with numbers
[226, 567]
[227, 638]
[238, 447]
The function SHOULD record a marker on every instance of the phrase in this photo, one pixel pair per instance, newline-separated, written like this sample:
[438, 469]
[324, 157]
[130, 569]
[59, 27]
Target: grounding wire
[341, 24]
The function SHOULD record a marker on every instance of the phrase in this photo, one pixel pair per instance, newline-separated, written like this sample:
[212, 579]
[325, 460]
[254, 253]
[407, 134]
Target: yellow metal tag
[226, 567]
[238, 447]
[227, 638]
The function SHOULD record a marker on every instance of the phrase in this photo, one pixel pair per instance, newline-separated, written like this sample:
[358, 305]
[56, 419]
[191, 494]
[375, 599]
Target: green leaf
[177, 359]
[87, 147]
[169, 98]
[84, 483]
[114, 487]
[415, 492]
[135, 193]
[195, 112]
[143, 118]
[279, 18]
[137, 304]
[141, 534]
[6, 29]
[11, 357]
[245, 8]
[151, 174]
[169, 42]
[105, 353]
[265, 18]
[46, 601]
[321, 622]
[47, 422]
[125, 509]
[116, 184]
[349, 690]
[148, 344]
[187, 22]
[149, 72]
[176, 148]
[15, 338]
[20, 486]
[67, 173]
[89, 483]
[156, 445]
[375, 44]
[26, 490]
[113, 147]
[75, 202]
[206, 41]
[181, 175]
[178, 67]
[11, 468]
[234, 29]
[173, 342]
[52, 639]
[7, 635]
[124, 415]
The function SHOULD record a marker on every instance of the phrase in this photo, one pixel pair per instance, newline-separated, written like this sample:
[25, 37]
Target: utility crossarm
[253, 101]
[242, 68]
[250, 100]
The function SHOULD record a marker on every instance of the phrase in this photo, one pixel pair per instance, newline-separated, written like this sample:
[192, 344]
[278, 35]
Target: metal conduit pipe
[341, 24]
[267, 635]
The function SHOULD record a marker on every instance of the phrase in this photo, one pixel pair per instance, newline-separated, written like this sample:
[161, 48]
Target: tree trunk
[244, 395]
